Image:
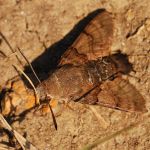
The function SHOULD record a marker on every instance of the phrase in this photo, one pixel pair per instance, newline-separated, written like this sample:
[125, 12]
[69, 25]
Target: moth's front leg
[44, 108]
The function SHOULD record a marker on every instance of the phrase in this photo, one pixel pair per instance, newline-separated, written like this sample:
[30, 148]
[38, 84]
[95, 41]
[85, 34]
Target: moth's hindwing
[120, 94]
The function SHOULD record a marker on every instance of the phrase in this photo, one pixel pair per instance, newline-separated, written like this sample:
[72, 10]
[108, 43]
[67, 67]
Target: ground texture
[36, 26]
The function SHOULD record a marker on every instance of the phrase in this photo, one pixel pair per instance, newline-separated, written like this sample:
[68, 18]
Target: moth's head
[41, 92]
[122, 63]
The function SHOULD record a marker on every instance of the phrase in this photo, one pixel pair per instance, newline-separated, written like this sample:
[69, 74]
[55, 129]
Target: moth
[87, 73]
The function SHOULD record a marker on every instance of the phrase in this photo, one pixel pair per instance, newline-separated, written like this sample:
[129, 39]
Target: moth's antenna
[53, 116]
[29, 65]
[37, 98]
[52, 113]
[7, 42]
[18, 68]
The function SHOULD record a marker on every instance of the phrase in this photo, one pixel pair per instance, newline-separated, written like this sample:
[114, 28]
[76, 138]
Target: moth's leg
[55, 105]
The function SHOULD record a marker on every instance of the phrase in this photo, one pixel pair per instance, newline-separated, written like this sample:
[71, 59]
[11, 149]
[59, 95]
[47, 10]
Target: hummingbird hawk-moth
[87, 73]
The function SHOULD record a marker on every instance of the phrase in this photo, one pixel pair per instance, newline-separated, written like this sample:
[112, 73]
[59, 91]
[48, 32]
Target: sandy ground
[39, 27]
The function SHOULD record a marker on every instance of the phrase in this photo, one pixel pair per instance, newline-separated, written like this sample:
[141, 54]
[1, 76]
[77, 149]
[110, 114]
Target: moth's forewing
[120, 94]
[93, 42]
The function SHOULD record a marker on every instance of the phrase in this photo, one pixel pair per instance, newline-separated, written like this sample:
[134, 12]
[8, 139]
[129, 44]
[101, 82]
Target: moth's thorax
[102, 69]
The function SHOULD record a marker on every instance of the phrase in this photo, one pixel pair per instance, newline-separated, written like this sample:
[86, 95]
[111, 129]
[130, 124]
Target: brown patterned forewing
[120, 94]
[93, 42]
